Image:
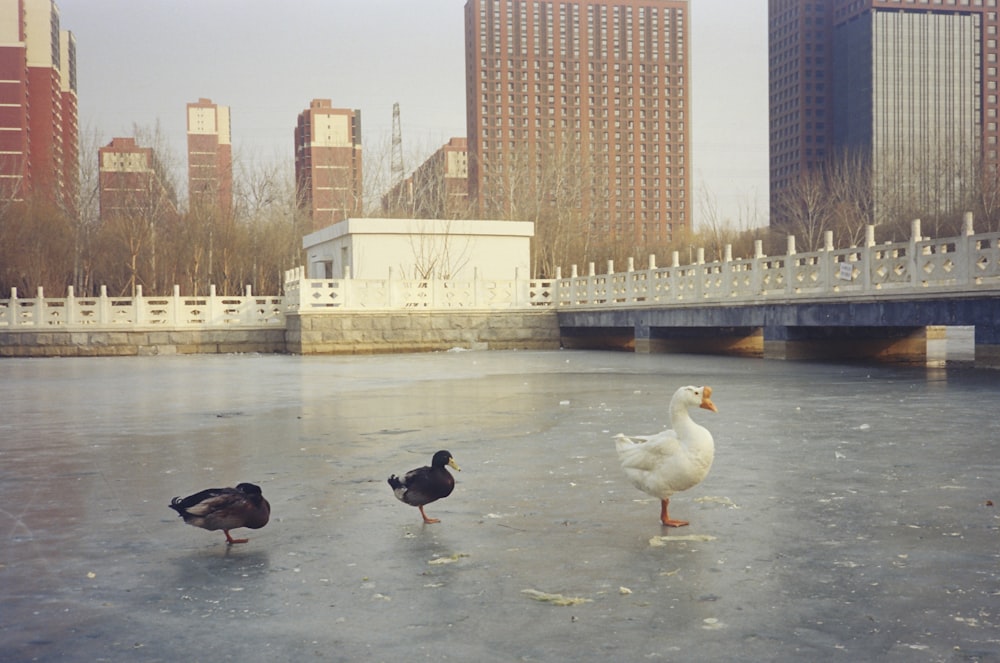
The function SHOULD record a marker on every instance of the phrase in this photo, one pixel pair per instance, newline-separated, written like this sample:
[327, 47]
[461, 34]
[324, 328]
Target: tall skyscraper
[328, 162]
[210, 157]
[910, 87]
[38, 116]
[595, 89]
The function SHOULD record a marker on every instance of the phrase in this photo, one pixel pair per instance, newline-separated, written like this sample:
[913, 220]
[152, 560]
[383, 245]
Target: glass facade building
[909, 84]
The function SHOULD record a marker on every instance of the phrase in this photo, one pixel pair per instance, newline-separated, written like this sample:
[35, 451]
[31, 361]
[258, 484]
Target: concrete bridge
[881, 302]
[875, 301]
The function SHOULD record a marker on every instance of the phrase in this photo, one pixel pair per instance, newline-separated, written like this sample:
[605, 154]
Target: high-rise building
[439, 188]
[131, 185]
[595, 89]
[210, 157]
[328, 162]
[38, 116]
[909, 87]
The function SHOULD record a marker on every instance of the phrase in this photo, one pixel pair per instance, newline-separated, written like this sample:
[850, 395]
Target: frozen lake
[847, 517]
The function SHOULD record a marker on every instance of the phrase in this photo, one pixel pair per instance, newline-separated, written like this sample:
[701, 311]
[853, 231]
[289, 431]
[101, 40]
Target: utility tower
[397, 147]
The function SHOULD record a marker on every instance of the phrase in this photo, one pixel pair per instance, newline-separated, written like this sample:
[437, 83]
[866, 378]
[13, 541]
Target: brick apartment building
[131, 185]
[328, 174]
[600, 86]
[439, 188]
[210, 157]
[39, 150]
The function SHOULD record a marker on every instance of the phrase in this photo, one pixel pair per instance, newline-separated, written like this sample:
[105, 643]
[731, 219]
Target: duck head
[443, 458]
[695, 396]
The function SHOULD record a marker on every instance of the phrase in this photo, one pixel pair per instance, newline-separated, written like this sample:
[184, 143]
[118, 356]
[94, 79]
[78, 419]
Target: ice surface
[850, 541]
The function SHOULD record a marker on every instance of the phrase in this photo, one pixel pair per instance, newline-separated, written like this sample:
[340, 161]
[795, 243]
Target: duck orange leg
[665, 518]
[230, 540]
[429, 521]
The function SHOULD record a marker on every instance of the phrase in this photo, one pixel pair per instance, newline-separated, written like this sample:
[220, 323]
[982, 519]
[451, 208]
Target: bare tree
[805, 209]
[271, 223]
[986, 200]
[848, 177]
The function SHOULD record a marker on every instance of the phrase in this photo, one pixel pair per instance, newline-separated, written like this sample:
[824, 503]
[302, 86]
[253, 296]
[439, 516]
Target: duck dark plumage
[225, 509]
[426, 484]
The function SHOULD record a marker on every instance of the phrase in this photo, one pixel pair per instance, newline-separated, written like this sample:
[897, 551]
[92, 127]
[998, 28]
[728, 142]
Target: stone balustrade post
[138, 308]
[41, 314]
[71, 312]
[591, 274]
[828, 269]
[757, 274]
[965, 247]
[103, 307]
[574, 293]
[868, 258]
[790, 265]
[247, 306]
[13, 319]
[175, 306]
[673, 280]
[212, 308]
[699, 279]
[728, 272]
[912, 273]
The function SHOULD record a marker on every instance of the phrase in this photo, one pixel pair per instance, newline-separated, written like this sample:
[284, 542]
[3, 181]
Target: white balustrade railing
[167, 312]
[347, 294]
[965, 263]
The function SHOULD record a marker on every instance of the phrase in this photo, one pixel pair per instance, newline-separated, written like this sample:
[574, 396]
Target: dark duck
[225, 509]
[424, 485]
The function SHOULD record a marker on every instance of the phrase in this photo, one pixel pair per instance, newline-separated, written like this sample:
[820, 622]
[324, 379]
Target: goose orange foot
[665, 518]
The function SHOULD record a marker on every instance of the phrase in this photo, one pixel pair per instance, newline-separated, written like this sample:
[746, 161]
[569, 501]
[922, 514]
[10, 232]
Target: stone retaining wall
[401, 331]
[326, 333]
[115, 343]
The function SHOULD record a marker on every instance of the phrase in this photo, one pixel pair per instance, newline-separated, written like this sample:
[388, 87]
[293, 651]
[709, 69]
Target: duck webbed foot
[429, 521]
[230, 540]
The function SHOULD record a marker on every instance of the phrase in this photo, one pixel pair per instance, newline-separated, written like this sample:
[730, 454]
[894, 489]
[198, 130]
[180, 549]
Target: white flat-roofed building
[420, 249]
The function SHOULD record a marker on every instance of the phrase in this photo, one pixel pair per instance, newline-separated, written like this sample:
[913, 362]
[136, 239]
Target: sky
[139, 62]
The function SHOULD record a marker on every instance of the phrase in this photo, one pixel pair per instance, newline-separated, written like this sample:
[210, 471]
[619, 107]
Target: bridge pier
[987, 342]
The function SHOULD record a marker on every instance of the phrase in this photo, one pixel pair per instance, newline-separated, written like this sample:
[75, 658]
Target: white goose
[674, 460]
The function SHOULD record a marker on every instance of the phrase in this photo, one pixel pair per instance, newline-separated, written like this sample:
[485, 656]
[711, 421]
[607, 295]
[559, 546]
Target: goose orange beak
[706, 400]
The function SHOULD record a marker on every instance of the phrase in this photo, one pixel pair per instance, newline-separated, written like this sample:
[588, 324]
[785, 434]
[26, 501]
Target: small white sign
[846, 271]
